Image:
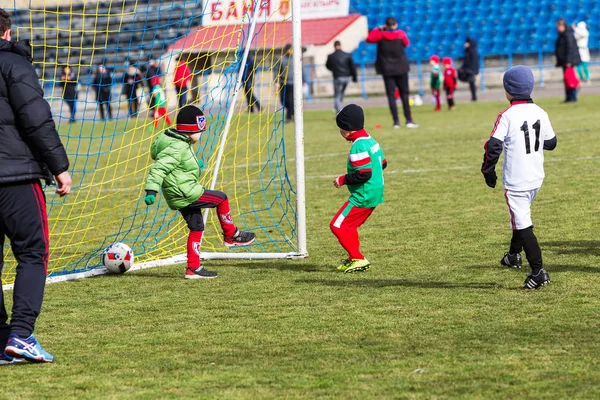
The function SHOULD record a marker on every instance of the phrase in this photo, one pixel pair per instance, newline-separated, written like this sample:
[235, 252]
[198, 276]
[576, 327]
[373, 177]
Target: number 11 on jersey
[536, 128]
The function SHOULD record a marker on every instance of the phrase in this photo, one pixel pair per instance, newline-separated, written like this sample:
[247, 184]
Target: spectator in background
[248, 82]
[132, 81]
[342, 66]
[68, 80]
[567, 53]
[470, 68]
[582, 37]
[153, 70]
[102, 84]
[285, 82]
[392, 64]
[181, 80]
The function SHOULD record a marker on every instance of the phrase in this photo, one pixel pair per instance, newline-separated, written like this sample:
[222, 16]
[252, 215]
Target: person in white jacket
[582, 35]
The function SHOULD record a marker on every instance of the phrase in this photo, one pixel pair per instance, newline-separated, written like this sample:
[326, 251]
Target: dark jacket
[471, 58]
[341, 64]
[566, 50]
[30, 147]
[102, 84]
[391, 58]
[131, 82]
[153, 70]
[69, 84]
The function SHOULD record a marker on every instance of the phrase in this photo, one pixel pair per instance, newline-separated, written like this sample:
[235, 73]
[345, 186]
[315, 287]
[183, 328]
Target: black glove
[490, 179]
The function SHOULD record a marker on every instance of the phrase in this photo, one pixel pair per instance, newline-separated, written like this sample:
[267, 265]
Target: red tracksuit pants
[193, 216]
[345, 226]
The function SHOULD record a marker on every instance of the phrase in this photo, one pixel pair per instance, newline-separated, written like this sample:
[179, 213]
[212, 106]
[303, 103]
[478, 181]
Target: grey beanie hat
[518, 81]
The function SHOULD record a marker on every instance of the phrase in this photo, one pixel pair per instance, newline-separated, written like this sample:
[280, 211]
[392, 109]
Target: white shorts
[519, 208]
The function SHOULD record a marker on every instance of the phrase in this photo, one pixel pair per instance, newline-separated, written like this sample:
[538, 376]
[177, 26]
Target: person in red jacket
[450, 81]
[182, 79]
[392, 64]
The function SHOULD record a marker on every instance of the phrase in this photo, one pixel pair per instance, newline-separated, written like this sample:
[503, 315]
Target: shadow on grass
[550, 267]
[285, 265]
[585, 247]
[403, 283]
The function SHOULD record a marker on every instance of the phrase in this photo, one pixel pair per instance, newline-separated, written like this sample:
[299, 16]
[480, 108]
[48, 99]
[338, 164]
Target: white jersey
[522, 128]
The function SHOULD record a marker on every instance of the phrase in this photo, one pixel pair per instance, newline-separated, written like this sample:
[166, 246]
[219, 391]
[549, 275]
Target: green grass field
[435, 317]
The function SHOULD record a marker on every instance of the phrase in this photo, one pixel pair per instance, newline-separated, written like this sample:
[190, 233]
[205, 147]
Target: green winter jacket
[175, 170]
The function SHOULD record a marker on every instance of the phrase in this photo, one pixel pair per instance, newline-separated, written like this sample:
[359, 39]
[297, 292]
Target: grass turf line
[436, 317]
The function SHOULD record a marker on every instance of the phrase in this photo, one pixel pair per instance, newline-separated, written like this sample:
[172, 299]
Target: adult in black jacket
[567, 54]
[102, 84]
[68, 79]
[392, 64]
[248, 82]
[132, 81]
[342, 66]
[470, 67]
[31, 150]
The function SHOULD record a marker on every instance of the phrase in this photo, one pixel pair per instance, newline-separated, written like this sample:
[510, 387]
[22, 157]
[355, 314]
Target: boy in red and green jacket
[177, 172]
[364, 179]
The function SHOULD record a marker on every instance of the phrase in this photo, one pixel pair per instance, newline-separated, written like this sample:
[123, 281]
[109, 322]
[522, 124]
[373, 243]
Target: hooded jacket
[31, 148]
[176, 170]
[566, 50]
[471, 58]
[391, 58]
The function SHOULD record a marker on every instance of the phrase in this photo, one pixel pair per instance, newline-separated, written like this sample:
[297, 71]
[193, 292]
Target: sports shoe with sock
[411, 125]
[199, 273]
[240, 238]
[356, 265]
[538, 280]
[28, 348]
[512, 260]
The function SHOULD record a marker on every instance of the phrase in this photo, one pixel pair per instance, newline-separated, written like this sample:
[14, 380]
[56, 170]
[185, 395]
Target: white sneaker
[411, 125]
[396, 126]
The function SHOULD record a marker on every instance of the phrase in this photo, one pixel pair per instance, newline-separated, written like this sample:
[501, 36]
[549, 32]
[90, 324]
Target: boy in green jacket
[177, 171]
[364, 180]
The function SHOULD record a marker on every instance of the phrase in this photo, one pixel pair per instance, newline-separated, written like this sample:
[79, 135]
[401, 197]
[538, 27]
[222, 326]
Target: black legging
[286, 95]
[72, 107]
[400, 82]
[133, 106]
[473, 87]
[250, 98]
[101, 106]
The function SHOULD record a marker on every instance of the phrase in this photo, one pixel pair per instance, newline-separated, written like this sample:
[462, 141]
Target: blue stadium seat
[501, 26]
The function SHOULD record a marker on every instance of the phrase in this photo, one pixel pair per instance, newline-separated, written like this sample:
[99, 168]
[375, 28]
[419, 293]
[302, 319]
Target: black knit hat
[190, 120]
[351, 118]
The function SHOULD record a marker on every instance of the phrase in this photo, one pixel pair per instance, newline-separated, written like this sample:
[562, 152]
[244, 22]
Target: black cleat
[199, 273]
[512, 260]
[241, 238]
[538, 280]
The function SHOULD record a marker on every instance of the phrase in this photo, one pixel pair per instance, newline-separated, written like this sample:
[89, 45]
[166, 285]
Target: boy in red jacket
[450, 81]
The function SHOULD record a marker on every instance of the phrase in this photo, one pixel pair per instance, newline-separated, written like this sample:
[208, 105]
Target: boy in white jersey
[523, 130]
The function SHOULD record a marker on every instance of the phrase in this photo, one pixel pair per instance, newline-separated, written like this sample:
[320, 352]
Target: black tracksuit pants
[400, 82]
[24, 221]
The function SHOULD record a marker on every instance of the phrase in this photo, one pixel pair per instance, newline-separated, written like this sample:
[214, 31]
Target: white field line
[405, 171]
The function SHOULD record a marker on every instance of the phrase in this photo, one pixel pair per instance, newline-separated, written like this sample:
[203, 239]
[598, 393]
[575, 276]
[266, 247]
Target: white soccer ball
[118, 258]
[418, 101]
